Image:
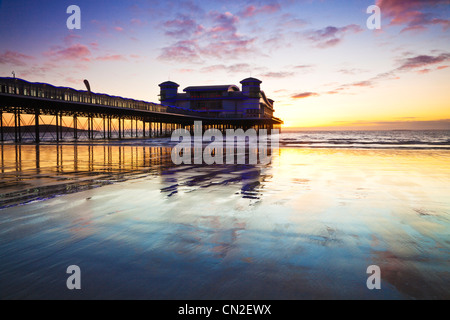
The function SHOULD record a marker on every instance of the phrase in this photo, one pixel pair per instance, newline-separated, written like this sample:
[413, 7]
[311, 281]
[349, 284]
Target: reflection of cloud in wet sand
[404, 274]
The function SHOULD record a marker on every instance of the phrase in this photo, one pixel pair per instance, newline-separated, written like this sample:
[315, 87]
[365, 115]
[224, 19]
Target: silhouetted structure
[222, 101]
[23, 105]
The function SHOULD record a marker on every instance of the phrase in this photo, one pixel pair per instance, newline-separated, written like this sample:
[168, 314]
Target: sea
[420, 139]
[426, 139]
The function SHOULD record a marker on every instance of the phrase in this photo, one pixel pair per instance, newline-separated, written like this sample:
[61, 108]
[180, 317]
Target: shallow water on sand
[306, 226]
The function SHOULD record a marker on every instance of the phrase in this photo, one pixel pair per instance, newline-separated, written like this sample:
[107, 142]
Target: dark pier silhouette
[39, 111]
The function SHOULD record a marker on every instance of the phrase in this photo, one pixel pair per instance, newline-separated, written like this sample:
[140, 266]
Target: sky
[325, 69]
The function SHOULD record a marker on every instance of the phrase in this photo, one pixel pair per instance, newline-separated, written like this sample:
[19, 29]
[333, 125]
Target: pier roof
[227, 87]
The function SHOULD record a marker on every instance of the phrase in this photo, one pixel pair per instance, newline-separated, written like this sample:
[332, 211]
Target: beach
[305, 226]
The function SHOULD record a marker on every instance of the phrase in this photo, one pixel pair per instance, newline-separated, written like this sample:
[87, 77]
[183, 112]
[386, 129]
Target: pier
[42, 112]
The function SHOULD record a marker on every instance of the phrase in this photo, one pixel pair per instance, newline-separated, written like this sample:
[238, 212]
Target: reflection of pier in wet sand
[33, 172]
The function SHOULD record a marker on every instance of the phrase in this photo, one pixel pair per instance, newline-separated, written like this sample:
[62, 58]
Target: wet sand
[306, 226]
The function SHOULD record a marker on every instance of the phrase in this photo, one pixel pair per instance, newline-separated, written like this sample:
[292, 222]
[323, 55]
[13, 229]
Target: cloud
[181, 51]
[282, 74]
[190, 6]
[113, 57]
[224, 25]
[230, 49]
[362, 84]
[253, 10]
[304, 95]
[275, 42]
[40, 70]
[351, 71]
[72, 52]
[74, 81]
[331, 36]
[303, 66]
[94, 45]
[419, 63]
[422, 61]
[239, 67]
[290, 22]
[70, 38]
[412, 13]
[14, 58]
[137, 22]
[182, 27]
[219, 39]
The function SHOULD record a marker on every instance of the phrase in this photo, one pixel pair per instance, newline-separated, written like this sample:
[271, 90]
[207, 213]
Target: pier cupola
[251, 87]
[169, 90]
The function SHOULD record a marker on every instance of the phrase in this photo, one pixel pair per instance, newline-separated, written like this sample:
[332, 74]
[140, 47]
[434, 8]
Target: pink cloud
[412, 13]
[252, 10]
[39, 70]
[304, 95]
[74, 81]
[137, 22]
[102, 27]
[70, 38]
[220, 39]
[228, 48]
[114, 57]
[181, 27]
[119, 29]
[14, 58]
[186, 70]
[362, 84]
[224, 25]
[181, 51]
[239, 67]
[73, 52]
[423, 71]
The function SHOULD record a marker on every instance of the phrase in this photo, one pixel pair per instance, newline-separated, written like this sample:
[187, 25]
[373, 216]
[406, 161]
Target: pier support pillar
[120, 128]
[61, 125]
[36, 126]
[131, 127]
[75, 127]
[143, 128]
[57, 127]
[104, 127]
[17, 131]
[136, 120]
[2, 138]
[109, 127]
